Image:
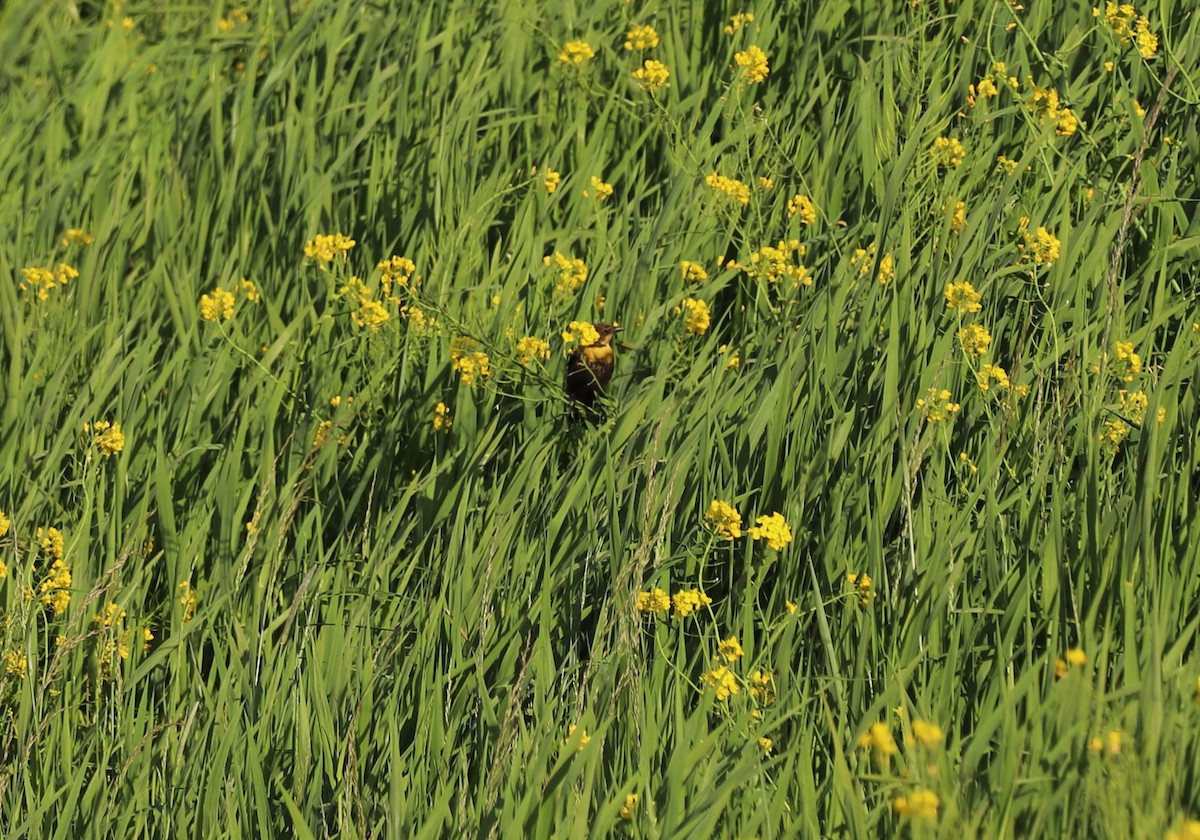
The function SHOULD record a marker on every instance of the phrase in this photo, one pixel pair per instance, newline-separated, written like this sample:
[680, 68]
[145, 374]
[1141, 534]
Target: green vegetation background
[400, 642]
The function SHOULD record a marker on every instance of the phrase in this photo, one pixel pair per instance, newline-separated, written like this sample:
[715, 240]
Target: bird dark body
[588, 371]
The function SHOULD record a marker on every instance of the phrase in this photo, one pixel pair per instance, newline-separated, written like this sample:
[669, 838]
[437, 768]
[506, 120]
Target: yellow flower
[767, 745]
[217, 307]
[51, 542]
[724, 680]
[603, 190]
[802, 206]
[441, 418]
[738, 21]
[774, 529]
[371, 314]
[948, 152]
[958, 219]
[929, 734]
[470, 362]
[697, 318]
[962, 297]
[582, 333]
[419, 323]
[572, 273]
[16, 664]
[652, 76]
[762, 686]
[1147, 41]
[922, 804]
[1131, 360]
[1043, 246]
[654, 602]
[974, 339]
[325, 247]
[878, 739]
[688, 601]
[863, 588]
[576, 52]
[724, 519]
[584, 738]
[396, 271]
[551, 180]
[641, 38]
[774, 263]
[5, 524]
[629, 809]
[989, 373]
[1076, 657]
[730, 187]
[937, 406]
[188, 599]
[530, 348]
[1134, 405]
[76, 236]
[730, 649]
[864, 258]
[692, 271]
[250, 290]
[55, 588]
[754, 60]
[107, 436]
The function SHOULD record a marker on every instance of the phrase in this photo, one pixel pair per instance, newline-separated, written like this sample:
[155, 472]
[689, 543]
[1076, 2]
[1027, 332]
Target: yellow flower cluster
[600, 187]
[730, 649]
[572, 273]
[1109, 745]
[948, 152]
[863, 588]
[652, 76]
[76, 236]
[396, 271]
[15, 664]
[920, 804]
[1043, 246]
[51, 542]
[55, 588]
[1129, 359]
[530, 348]
[551, 180]
[962, 297]
[108, 437]
[878, 739]
[730, 187]
[864, 259]
[580, 333]
[725, 681]
[687, 601]
[654, 602]
[774, 263]
[937, 406]
[641, 38]
[441, 418]
[974, 339]
[419, 323]
[584, 737]
[802, 206]
[470, 362]
[189, 599]
[323, 248]
[992, 373]
[754, 63]
[1076, 657]
[38, 283]
[724, 518]
[738, 21]
[774, 529]
[1043, 103]
[1125, 23]
[696, 316]
[217, 306]
[576, 52]
[692, 272]
[629, 809]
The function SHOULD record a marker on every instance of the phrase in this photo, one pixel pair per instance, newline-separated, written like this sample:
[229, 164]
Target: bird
[588, 371]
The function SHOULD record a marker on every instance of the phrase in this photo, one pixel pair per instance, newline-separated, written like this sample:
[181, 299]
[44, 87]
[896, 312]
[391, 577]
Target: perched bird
[588, 371]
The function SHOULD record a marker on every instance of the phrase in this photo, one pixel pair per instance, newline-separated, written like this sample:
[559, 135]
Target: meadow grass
[348, 570]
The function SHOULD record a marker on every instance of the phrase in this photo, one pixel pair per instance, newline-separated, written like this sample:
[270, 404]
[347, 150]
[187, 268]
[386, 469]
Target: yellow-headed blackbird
[588, 371]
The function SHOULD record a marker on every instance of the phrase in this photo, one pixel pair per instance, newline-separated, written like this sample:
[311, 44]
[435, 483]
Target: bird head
[606, 333]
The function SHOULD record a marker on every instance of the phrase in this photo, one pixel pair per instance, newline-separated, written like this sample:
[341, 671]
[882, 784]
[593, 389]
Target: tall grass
[391, 629]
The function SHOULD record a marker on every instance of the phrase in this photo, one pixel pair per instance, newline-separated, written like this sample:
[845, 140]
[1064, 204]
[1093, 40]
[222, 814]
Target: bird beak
[618, 329]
